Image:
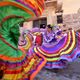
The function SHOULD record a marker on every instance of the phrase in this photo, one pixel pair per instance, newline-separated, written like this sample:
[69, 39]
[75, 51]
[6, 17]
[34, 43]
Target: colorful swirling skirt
[27, 42]
[66, 50]
[16, 65]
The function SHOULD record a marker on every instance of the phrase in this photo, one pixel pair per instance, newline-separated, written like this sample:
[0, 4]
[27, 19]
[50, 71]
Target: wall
[72, 21]
[50, 14]
[28, 25]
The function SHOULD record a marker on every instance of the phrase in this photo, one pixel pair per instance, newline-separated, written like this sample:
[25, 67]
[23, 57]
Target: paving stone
[72, 72]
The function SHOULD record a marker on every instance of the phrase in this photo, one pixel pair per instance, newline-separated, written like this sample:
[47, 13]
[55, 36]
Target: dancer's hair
[43, 26]
[49, 26]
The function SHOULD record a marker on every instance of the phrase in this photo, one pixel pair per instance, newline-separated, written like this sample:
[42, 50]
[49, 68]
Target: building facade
[48, 16]
[55, 9]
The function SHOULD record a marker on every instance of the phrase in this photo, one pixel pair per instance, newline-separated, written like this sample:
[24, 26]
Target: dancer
[49, 36]
[14, 63]
[65, 50]
[58, 53]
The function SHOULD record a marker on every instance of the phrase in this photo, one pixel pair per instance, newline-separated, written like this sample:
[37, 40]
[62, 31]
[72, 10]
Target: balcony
[50, 1]
[56, 3]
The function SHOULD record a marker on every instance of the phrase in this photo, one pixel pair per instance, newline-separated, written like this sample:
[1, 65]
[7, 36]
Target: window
[69, 28]
[41, 21]
[59, 19]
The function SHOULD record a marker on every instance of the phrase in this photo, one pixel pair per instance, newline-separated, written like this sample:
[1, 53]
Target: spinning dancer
[14, 63]
[49, 36]
[60, 53]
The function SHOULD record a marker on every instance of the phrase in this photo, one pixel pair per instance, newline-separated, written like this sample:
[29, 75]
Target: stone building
[67, 10]
[48, 16]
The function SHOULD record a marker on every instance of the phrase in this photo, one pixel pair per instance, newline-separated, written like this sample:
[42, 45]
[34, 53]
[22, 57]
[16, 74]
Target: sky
[71, 6]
